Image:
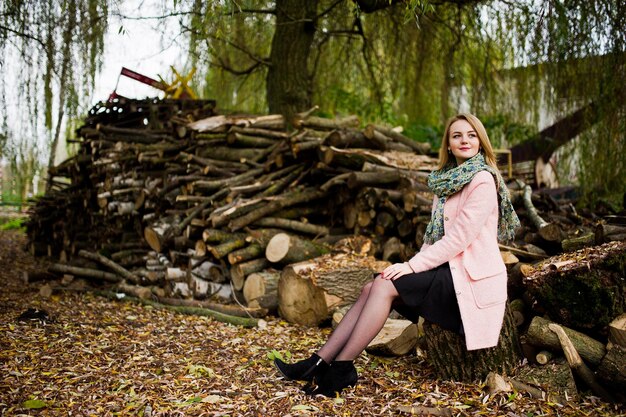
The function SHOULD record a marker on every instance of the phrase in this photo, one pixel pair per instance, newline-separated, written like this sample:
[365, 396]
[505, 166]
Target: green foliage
[13, 223]
[503, 131]
[413, 63]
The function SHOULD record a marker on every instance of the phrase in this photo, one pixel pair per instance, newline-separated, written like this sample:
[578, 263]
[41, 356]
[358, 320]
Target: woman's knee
[383, 287]
[367, 288]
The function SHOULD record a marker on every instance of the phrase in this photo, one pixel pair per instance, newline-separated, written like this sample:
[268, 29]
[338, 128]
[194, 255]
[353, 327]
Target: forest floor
[89, 356]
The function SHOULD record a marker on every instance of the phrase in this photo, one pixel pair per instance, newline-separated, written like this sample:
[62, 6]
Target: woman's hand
[396, 271]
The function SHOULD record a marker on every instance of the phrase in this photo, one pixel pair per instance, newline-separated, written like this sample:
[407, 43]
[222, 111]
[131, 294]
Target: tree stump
[583, 289]
[449, 356]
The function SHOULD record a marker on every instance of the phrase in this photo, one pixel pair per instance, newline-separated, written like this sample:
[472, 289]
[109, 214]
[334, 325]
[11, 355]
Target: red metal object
[138, 77]
[142, 78]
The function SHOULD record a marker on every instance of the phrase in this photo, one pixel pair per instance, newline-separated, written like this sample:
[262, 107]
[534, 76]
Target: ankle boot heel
[304, 370]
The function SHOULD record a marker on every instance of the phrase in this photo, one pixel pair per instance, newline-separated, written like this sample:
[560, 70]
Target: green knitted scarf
[451, 179]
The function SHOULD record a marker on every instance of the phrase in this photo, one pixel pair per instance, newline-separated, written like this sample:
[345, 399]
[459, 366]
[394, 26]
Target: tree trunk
[288, 78]
[451, 360]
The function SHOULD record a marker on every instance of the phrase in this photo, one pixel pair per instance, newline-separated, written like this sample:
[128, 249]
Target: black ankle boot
[304, 370]
[340, 375]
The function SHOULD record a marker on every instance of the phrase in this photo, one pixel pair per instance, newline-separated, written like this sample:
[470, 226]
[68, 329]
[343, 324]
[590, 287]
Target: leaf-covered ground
[95, 357]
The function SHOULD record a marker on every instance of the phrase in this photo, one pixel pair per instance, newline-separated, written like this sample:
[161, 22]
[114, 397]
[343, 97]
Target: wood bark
[577, 364]
[582, 290]
[540, 335]
[286, 249]
[612, 371]
[448, 354]
[261, 290]
[309, 291]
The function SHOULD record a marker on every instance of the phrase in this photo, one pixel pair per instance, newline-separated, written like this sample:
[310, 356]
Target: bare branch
[23, 35]
[251, 55]
[230, 69]
[325, 12]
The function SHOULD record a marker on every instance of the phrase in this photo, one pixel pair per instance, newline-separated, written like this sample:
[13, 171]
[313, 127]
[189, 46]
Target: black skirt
[429, 294]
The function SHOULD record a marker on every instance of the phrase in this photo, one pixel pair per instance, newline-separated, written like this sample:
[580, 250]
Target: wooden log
[535, 392]
[397, 338]
[576, 243]
[522, 253]
[544, 357]
[286, 200]
[286, 249]
[551, 232]
[518, 308]
[617, 331]
[228, 309]
[223, 249]
[207, 270]
[420, 147]
[261, 290]
[612, 371]
[209, 185]
[294, 225]
[448, 354]
[113, 266]
[226, 153]
[362, 179]
[252, 251]
[309, 291]
[349, 138]
[268, 133]
[248, 141]
[393, 250]
[540, 335]
[190, 310]
[176, 274]
[84, 272]
[219, 236]
[281, 184]
[609, 232]
[322, 123]
[143, 293]
[577, 364]
[239, 272]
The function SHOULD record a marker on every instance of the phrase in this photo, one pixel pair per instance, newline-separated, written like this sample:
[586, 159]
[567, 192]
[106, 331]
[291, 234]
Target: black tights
[361, 323]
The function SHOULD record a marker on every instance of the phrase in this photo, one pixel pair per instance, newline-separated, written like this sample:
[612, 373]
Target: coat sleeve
[482, 199]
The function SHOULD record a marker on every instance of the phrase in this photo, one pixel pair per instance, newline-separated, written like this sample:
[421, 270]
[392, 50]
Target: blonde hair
[483, 138]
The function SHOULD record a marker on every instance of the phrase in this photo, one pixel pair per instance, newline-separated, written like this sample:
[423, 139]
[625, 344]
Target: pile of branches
[179, 202]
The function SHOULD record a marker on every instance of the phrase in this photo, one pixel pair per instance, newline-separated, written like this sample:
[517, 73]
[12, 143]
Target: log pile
[182, 203]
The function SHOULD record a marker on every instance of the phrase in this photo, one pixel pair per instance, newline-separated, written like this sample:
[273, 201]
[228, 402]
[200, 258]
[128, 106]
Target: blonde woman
[457, 279]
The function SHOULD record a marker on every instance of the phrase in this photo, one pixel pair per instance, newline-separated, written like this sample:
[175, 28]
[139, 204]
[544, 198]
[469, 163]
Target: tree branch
[332, 6]
[24, 35]
[251, 55]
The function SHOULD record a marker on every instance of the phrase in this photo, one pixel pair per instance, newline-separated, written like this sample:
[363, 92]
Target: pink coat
[470, 245]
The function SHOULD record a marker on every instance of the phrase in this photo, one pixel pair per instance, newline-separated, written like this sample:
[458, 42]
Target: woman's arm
[481, 201]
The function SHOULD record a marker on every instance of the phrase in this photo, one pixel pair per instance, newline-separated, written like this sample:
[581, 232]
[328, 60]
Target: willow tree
[423, 60]
[55, 47]
[398, 61]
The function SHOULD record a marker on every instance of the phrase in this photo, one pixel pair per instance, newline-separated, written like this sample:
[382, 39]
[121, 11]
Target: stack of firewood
[190, 206]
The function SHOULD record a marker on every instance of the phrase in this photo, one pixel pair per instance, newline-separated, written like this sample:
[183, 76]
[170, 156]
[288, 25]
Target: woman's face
[463, 141]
